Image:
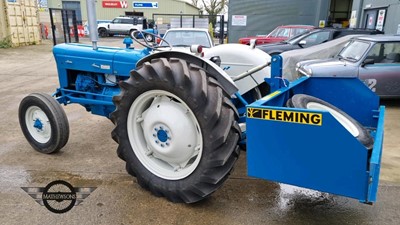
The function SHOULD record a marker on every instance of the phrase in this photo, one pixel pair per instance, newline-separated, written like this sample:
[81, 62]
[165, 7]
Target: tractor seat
[391, 58]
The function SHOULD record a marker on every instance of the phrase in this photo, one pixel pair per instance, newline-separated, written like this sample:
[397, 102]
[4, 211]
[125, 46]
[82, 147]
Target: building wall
[164, 6]
[264, 15]
[392, 17]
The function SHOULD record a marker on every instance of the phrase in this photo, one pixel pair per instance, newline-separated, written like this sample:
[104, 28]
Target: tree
[214, 7]
[211, 7]
[195, 3]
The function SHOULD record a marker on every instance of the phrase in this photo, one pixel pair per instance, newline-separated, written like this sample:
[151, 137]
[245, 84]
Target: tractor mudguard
[215, 71]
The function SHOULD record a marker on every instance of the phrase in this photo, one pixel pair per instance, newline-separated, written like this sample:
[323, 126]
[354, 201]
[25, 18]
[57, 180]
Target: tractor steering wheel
[147, 44]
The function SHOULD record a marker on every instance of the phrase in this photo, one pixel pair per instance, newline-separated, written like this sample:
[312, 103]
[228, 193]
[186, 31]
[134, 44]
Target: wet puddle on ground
[290, 197]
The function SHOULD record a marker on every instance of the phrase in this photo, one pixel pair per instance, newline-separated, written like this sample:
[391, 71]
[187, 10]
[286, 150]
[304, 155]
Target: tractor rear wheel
[43, 122]
[176, 129]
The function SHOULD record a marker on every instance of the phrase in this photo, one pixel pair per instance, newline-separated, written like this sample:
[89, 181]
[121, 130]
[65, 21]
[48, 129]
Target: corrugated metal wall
[19, 21]
[264, 15]
[392, 17]
[164, 6]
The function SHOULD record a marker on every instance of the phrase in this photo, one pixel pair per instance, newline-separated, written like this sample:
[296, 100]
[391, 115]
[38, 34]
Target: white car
[121, 26]
[181, 39]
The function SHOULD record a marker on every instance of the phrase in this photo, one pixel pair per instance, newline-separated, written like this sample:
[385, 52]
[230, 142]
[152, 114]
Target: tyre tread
[214, 112]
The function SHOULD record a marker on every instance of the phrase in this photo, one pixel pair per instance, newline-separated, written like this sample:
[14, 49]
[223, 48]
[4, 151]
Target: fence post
[52, 26]
[221, 29]
[75, 26]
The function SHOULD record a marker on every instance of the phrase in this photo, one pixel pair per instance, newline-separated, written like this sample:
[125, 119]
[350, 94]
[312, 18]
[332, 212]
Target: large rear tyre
[43, 123]
[176, 130]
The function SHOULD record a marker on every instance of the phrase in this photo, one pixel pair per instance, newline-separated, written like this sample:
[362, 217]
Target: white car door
[114, 26]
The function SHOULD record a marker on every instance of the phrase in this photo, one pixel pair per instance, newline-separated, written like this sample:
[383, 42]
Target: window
[354, 51]
[187, 38]
[317, 38]
[127, 21]
[385, 52]
[297, 31]
[280, 32]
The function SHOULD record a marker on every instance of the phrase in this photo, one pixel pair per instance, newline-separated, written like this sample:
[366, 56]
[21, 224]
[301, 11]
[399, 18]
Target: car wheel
[103, 32]
[149, 37]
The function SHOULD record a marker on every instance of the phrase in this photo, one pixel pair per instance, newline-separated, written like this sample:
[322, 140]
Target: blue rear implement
[320, 154]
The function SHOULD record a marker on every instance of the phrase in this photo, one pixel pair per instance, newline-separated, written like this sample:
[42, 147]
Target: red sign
[115, 4]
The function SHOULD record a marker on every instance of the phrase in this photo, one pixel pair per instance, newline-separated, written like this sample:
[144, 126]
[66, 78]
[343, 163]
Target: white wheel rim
[148, 37]
[38, 124]
[164, 134]
[346, 123]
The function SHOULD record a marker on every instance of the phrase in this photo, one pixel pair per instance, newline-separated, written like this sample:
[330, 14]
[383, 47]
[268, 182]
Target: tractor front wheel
[43, 123]
[176, 130]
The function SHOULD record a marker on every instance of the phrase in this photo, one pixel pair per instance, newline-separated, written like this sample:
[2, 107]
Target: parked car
[122, 26]
[322, 51]
[279, 34]
[181, 39]
[374, 59]
[311, 38]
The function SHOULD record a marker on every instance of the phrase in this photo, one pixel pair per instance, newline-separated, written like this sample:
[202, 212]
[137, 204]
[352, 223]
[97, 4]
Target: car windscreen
[298, 31]
[186, 39]
[297, 38]
[354, 51]
[280, 32]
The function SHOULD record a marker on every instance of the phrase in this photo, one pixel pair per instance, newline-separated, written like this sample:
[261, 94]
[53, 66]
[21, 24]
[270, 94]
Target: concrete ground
[89, 160]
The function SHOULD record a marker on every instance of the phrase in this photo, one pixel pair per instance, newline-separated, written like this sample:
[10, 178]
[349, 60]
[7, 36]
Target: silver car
[374, 59]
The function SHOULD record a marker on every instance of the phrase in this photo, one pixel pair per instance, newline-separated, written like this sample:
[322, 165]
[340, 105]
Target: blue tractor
[179, 120]
[175, 121]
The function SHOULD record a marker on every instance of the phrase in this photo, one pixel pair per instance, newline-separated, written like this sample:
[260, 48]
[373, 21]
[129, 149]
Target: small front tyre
[43, 123]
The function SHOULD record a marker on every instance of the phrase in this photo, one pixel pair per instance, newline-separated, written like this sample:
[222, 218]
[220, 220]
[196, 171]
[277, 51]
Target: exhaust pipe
[92, 21]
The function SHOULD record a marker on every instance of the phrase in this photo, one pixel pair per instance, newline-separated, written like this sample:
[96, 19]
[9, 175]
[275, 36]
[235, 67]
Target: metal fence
[64, 26]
